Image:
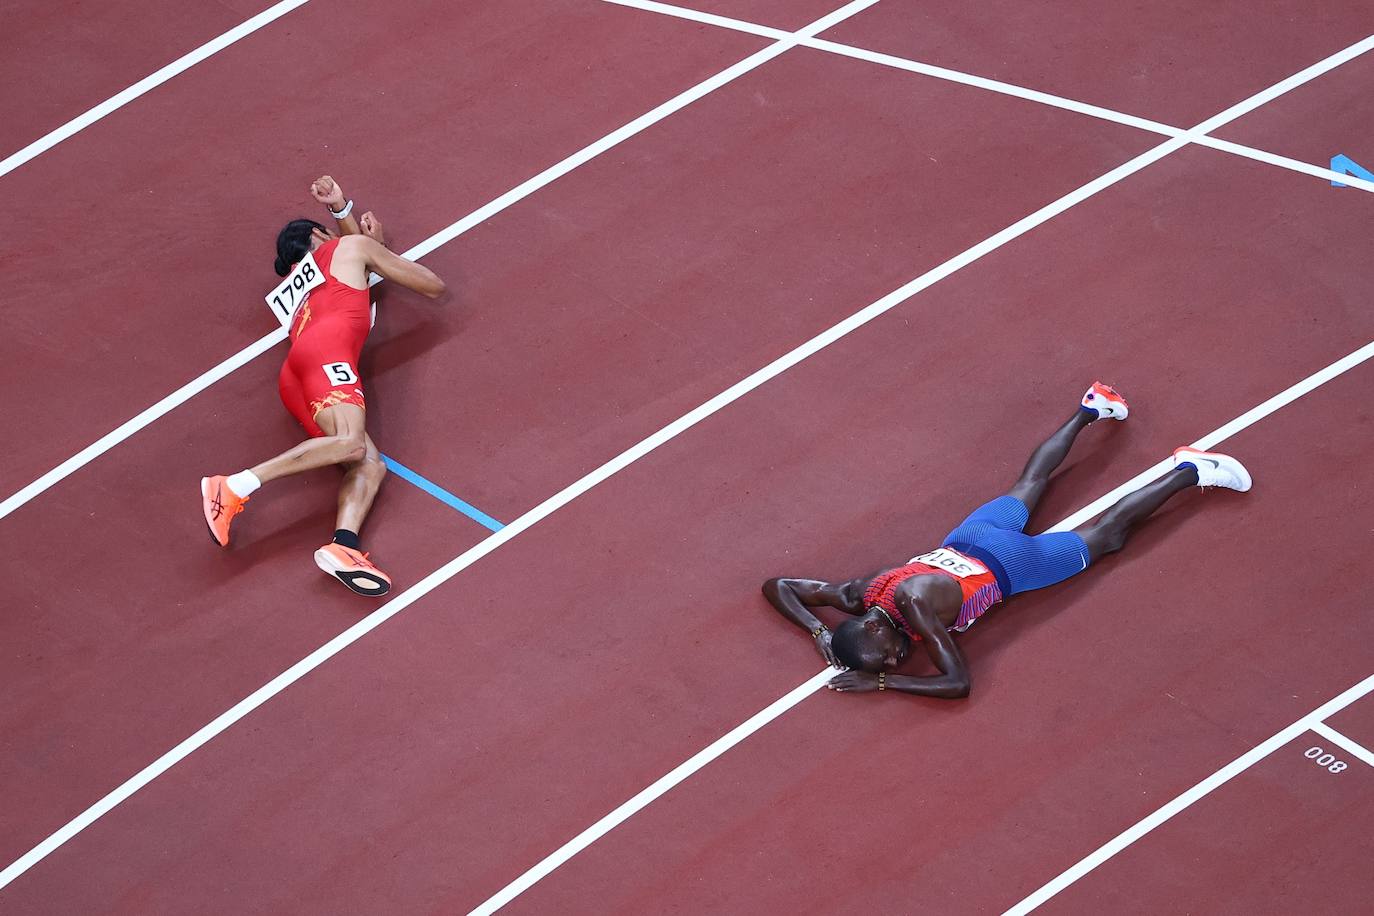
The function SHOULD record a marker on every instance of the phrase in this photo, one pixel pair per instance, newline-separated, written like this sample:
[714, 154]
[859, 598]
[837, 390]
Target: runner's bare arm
[397, 269]
[952, 683]
[792, 597]
[327, 191]
[953, 680]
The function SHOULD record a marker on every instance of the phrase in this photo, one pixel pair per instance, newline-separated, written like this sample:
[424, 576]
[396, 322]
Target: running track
[429, 764]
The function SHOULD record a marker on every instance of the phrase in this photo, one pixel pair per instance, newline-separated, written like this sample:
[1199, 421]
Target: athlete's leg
[1192, 467]
[1046, 457]
[1108, 534]
[344, 442]
[343, 557]
[361, 481]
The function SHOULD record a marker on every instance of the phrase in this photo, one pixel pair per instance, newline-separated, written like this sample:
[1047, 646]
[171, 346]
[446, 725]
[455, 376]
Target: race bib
[286, 298]
[954, 563]
[339, 374]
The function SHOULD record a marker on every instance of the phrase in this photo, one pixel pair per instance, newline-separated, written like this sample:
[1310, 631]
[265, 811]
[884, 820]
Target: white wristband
[342, 214]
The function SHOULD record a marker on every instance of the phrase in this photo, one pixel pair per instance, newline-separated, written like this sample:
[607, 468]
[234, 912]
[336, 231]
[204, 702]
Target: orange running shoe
[221, 504]
[352, 568]
[1105, 402]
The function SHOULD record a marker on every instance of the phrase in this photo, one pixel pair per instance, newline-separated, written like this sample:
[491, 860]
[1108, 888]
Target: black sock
[346, 538]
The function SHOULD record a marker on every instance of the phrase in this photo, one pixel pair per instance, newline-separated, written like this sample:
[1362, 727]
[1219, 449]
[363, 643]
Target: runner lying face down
[986, 559]
[319, 383]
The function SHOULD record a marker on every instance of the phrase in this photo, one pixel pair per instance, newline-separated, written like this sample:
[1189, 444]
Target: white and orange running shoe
[220, 504]
[1104, 401]
[354, 569]
[1214, 469]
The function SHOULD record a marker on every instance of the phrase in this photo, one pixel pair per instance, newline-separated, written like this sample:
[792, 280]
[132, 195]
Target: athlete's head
[870, 643]
[296, 239]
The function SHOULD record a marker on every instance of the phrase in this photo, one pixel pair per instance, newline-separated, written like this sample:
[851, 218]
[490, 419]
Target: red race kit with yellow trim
[327, 334]
[976, 581]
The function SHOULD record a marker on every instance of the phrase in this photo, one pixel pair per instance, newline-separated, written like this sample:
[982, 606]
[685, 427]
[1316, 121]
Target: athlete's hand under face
[823, 639]
[371, 227]
[853, 682]
[327, 191]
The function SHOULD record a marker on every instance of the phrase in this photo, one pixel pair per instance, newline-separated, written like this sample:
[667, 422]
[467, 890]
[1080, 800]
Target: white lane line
[1201, 790]
[739, 733]
[682, 12]
[1350, 745]
[1197, 135]
[461, 562]
[1010, 89]
[1254, 415]
[563, 497]
[148, 83]
[129, 427]
[789, 39]
[785, 42]
[653, 791]
[991, 85]
[443, 236]
[1285, 162]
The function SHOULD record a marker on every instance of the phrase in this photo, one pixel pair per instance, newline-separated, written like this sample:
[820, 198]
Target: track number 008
[1322, 759]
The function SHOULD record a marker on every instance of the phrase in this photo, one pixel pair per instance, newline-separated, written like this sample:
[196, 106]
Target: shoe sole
[328, 565]
[204, 495]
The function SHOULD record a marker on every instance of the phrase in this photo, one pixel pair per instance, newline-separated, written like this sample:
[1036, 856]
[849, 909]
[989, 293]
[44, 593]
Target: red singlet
[976, 581]
[327, 334]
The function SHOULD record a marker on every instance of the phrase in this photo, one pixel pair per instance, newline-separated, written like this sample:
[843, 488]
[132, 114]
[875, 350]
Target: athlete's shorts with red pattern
[327, 335]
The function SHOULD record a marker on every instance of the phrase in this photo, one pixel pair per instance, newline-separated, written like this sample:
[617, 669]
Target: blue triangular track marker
[1346, 165]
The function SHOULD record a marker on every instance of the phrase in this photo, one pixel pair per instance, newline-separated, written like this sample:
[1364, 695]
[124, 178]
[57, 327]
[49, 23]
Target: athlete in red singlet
[987, 558]
[319, 382]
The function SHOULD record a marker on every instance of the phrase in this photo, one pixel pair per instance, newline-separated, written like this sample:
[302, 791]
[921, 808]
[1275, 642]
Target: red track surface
[63, 58]
[431, 763]
[1278, 840]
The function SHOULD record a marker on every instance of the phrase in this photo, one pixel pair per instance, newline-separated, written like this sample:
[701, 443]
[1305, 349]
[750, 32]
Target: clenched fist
[327, 191]
[371, 227]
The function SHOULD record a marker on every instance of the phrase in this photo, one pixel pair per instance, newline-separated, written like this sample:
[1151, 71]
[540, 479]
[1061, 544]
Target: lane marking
[138, 422]
[610, 468]
[1290, 394]
[1354, 179]
[689, 766]
[443, 236]
[439, 493]
[562, 498]
[148, 83]
[785, 42]
[1096, 507]
[481, 549]
[1201, 790]
[1350, 745]
[1283, 162]
[1344, 165]
[357, 631]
